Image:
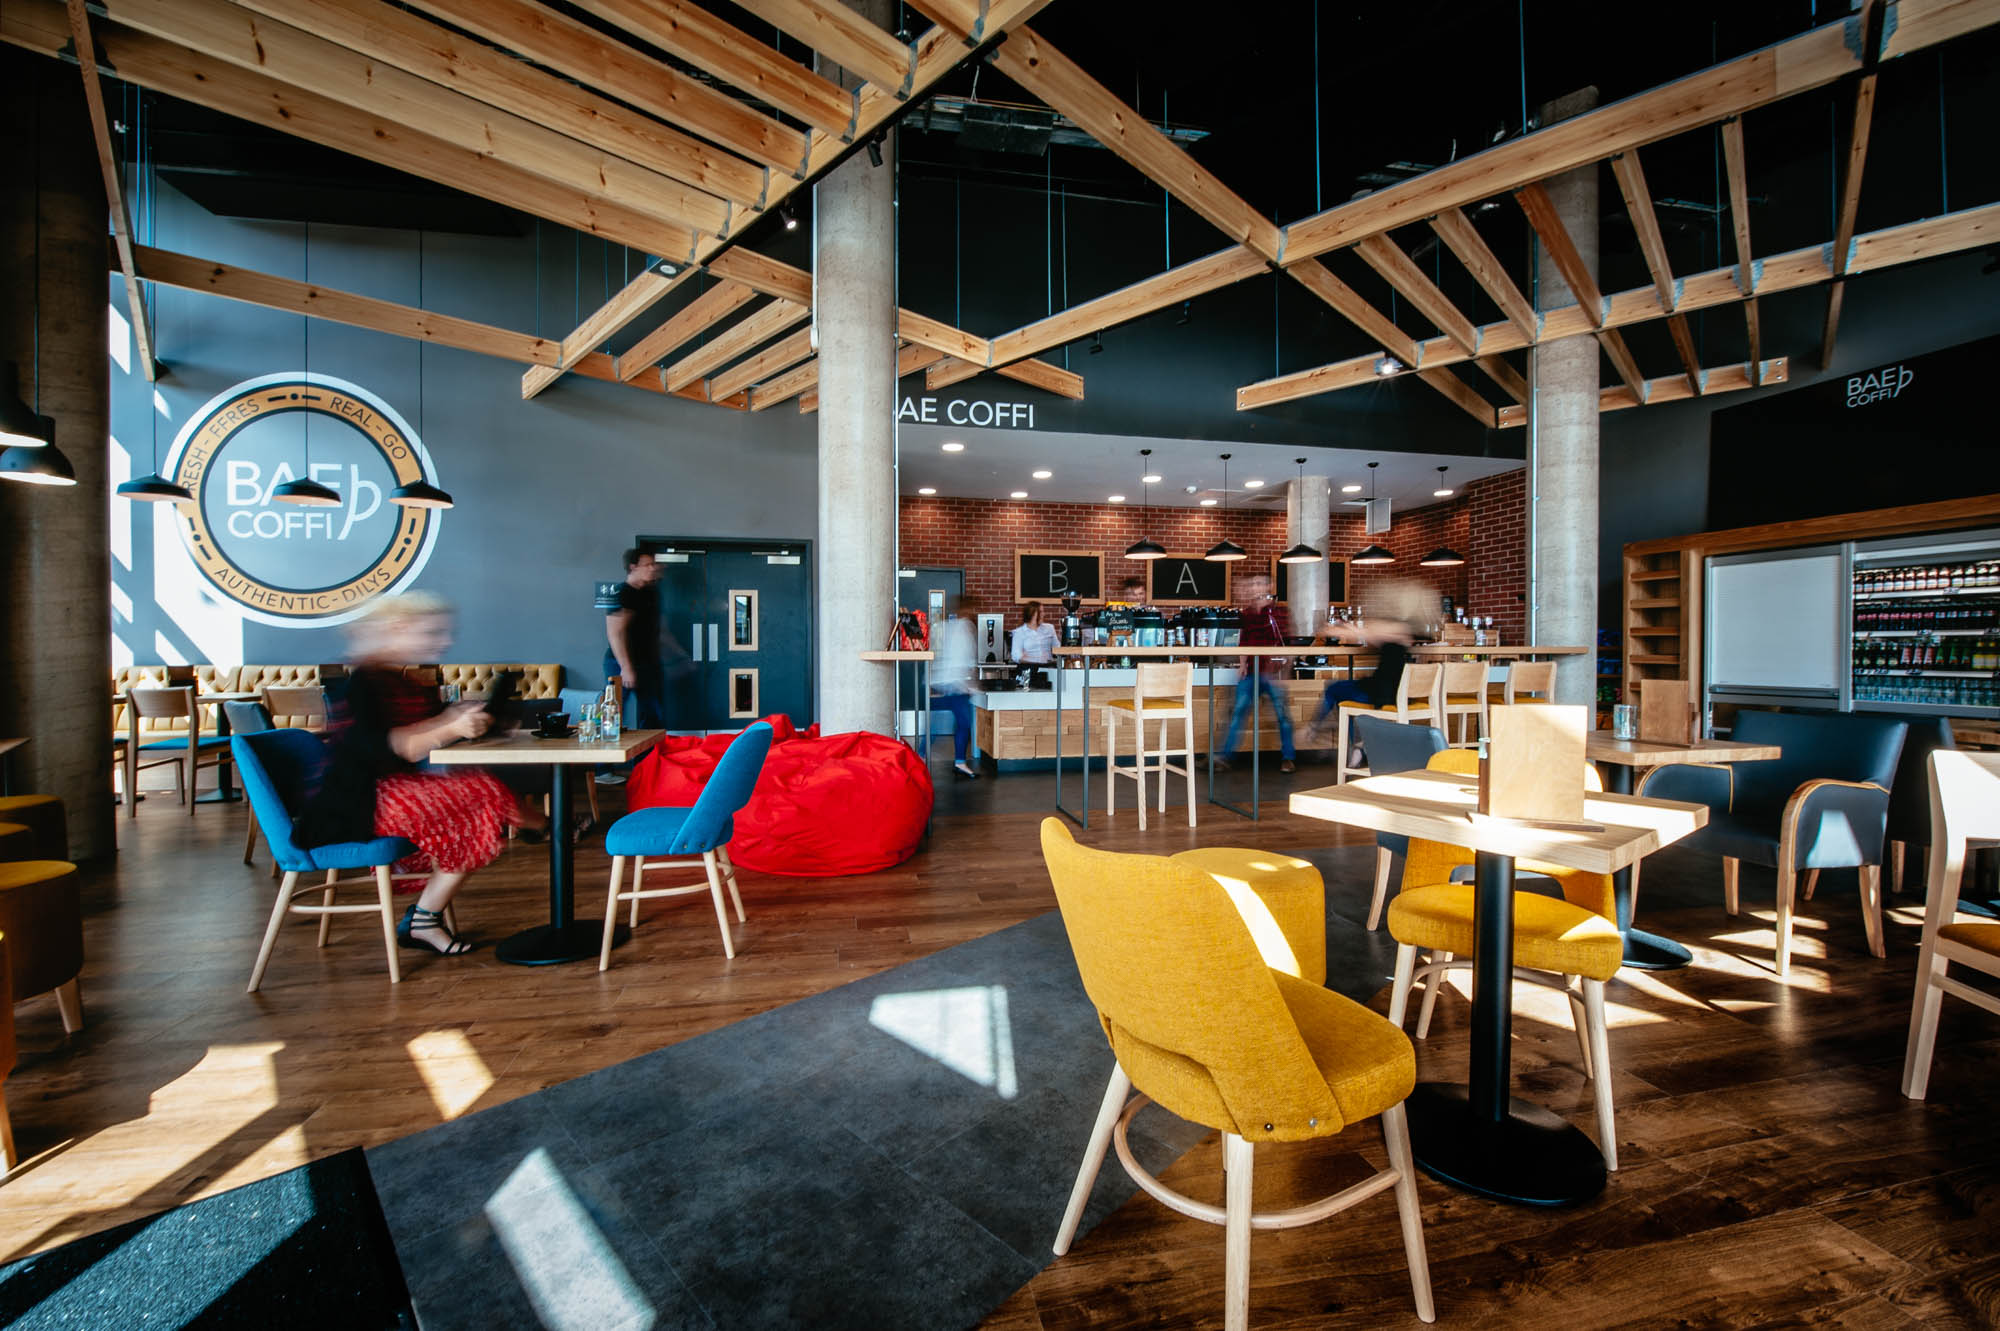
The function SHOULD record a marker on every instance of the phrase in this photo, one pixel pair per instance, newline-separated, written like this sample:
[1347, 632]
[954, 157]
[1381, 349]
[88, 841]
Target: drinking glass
[1624, 721]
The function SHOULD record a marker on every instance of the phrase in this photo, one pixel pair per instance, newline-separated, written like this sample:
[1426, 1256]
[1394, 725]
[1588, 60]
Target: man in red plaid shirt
[1263, 626]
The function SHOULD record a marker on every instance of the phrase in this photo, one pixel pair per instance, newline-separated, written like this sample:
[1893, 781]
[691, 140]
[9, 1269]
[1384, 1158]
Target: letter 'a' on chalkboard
[1189, 578]
[1336, 581]
[1050, 575]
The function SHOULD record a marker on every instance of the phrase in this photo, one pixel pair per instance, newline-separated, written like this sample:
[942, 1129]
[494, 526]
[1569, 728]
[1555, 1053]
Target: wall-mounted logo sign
[966, 411]
[1878, 385]
[286, 565]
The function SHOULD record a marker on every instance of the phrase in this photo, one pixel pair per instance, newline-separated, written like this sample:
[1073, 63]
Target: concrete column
[55, 567]
[1307, 518]
[854, 274]
[1562, 456]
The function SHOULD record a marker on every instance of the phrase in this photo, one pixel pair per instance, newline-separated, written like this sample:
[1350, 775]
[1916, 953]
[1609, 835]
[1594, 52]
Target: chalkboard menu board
[1050, 575]
[1336, 581]
[1188, 579]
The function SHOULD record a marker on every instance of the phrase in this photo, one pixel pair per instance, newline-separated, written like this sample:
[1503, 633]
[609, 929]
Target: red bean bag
[825, 805]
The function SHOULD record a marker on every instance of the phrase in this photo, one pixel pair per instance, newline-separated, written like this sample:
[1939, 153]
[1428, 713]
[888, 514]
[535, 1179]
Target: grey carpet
[808, 1166]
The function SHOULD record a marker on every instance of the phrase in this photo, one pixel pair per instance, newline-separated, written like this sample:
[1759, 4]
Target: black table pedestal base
[1531, 1156]
[1651, 952]
[549, 945]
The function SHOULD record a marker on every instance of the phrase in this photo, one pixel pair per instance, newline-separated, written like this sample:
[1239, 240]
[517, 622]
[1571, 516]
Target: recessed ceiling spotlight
[1208, 503]
[1350, 489]
[1018, 494]
[1153, 479]
[926, 489]
[1387, 365]
[953, 447]
[1043, 474]
[1116, 499]
[1253, 485]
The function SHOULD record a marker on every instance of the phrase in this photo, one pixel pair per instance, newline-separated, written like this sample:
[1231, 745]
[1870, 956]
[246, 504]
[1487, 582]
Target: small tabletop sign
[1533, 768]
[1666, 712]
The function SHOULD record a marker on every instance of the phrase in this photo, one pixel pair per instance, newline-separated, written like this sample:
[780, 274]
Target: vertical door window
[742, 694]
[743, 620]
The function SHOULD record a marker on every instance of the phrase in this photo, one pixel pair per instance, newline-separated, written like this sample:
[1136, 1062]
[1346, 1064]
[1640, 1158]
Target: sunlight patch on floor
[453, 1072]
[965, 1029]
[564, 1261]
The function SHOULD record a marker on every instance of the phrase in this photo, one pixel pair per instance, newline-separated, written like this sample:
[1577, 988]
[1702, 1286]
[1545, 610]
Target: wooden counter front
[1030, 733]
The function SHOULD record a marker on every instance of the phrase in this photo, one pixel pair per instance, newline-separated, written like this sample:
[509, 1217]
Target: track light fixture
[875, 151]
[1387, 365]
[791, 218]
[1097, 344]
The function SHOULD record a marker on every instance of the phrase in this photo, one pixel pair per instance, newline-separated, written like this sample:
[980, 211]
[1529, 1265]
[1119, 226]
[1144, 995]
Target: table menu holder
[1532, 771]
[1666, 712]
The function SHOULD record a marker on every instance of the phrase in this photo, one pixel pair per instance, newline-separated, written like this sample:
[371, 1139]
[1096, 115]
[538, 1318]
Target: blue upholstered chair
[1910, 794]
[278, 768]
[248, 717]
[1392, 747]
[704, 830]
[1823, 805]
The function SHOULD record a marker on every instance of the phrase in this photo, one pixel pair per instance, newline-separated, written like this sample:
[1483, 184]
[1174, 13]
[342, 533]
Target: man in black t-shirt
[633, 630]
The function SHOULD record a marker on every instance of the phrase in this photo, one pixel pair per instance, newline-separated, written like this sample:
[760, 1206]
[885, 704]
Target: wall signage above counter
[283, 564]
[1050, 575]
[967, 411]
[1336, 581]
[1187, 579]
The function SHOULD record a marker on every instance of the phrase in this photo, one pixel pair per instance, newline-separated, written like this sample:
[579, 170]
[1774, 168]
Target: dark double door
[735, 631]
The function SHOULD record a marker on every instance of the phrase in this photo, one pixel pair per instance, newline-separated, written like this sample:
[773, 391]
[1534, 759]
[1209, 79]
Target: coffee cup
[553, 725]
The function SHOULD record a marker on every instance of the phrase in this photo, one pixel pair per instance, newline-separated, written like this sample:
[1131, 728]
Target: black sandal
[416, 917]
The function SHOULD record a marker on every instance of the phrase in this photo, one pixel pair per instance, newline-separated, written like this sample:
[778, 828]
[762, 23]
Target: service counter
[1018, 727]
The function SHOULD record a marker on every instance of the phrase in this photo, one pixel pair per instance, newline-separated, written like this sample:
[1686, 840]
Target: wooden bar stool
[1531, 681]
[1416, 700]
[1464, 690]
[1164, 693]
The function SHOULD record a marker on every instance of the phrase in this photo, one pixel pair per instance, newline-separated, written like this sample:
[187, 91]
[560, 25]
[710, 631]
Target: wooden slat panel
[774, 359]
[746, 336]
[785, 387]
[617, 70]
[1456, 230]
[1462, 394]
[401, 38]
[1386, 257]
[1220, 269]
[283, 293]
[1562, 251]
[303, 61]
[114, 189]
[691, 33]
[711, 307]
[842, 34]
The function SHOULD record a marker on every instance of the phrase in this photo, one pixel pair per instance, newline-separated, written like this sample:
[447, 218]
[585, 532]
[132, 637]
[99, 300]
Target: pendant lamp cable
[306, 341]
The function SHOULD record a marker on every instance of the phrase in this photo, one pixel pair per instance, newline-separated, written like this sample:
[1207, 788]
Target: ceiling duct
[1006, 129]
[1375, 515]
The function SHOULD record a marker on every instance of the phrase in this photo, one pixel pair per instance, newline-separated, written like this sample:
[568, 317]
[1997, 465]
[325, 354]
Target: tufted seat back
[474, 680]
[208, 679]
[537, 681]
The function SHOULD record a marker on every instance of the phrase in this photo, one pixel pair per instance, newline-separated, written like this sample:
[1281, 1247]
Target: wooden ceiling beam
[705, 311]
[1850, 199]
[1953, 233]
[617, 70]
[449, 59]
[1455, 229]
[1317, 278]
[114, 189]
[1461, 393]
[845, 37]
[1209, 273]
[928, 332]
[780, 356]
[1646, 225]
[1672, 388]
[599, 366]
[1050, 378]
[188, 273]
[1505, 375]
[1683, 336]
[1621, 359]
[302, 61]
[1562, 251]
[1739, 219]
[946, 371]
[688, 32]
[910, 358]
[1810, 60]
[1386, 257]
[785, 387]
[741, 338]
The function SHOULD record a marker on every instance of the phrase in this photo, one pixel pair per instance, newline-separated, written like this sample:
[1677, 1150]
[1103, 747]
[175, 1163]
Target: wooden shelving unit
[1662, 617]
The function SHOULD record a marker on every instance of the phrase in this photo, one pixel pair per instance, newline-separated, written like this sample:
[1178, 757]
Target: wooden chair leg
[250, 842]
[69, 1006]
[1579, 1017]
[1238, 1158]
[1139, 763]
[326, 899]
[1811, 884]
[590, 789]
[1385, 861]
[385, 892]
[721, 911]
[611, 911]
[132, 777]
[638, 885]
[1896, 849]
[729, 876]
[1431, 987]
[1110, 715]
[1730, 870]
[1115, 1095]
[1187, 759]
[1871, 907]
[180, 786]
[1399, 991]
[1160, 763]
[1787, 887]
[1340, 750]
[285, 890]
[1600, 1057]
[1396, 1138]
[8, 1157]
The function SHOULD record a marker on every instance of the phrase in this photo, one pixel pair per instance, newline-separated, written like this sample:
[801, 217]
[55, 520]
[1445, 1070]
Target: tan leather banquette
[474, 680]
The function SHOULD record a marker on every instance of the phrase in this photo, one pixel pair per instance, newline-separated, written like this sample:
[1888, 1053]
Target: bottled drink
[610, 724]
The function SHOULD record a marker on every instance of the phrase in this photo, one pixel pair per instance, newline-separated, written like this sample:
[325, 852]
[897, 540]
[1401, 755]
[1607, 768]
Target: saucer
[567, 732]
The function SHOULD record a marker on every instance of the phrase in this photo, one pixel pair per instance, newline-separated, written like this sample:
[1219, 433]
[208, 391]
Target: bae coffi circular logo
[289, 565]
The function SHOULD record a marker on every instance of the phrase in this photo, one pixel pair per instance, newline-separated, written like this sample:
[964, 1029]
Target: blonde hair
[1406, 602]
[388, 616]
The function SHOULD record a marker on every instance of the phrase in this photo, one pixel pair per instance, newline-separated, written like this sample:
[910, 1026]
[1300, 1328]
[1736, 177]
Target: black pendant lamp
[155, 488]
[19, 425]
[1225, 550]
[304, 491]
[420, 493]
[1301, 553]
[43, 464]
[1145, 547]
[28, 450]
[1372, 553]
[1442, 557]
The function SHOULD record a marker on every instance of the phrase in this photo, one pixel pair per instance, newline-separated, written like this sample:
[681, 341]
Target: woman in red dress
[380, 727]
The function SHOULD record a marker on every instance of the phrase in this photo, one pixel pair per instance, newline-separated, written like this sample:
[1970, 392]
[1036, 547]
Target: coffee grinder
[1072, 621]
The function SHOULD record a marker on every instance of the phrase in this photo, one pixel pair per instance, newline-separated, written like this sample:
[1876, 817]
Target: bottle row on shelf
[1927, 690]
[1939, 654]
[1928, 577]
[1927, 617]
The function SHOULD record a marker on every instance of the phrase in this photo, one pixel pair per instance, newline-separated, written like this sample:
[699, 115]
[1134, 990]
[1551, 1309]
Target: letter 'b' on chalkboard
[1050, 575]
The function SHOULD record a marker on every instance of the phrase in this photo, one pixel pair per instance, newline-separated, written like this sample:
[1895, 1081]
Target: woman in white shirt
[1034, 642]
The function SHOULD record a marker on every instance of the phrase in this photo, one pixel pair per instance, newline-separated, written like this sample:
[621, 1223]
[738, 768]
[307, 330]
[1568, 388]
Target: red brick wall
[1485, 522]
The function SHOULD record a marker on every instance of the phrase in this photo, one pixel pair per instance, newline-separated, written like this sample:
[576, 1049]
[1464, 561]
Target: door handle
[697, 642]
[713, 631]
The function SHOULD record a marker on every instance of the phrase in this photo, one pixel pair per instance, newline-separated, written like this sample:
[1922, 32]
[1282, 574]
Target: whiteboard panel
[1775, 622]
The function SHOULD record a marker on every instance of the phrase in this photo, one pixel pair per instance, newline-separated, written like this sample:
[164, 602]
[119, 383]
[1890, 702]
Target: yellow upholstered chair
[1209, 1027]
[1963, 810]
[1574, 938]
[1531, 682]
[46, 821]
[1416, 700]
[1463, 690]
[1281, 898]
[1162, 694]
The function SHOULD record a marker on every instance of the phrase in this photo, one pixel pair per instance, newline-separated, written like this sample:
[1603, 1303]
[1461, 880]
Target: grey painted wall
[1656, 459]
[548, 492]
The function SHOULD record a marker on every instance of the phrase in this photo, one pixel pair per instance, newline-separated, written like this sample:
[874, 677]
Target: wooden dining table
[562, 938]
[1478, 1135]
[1617, 759]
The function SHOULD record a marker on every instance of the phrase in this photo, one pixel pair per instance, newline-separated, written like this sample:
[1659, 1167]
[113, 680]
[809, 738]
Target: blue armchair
[1392, 747]
[1823, 805]
[1910, 795]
